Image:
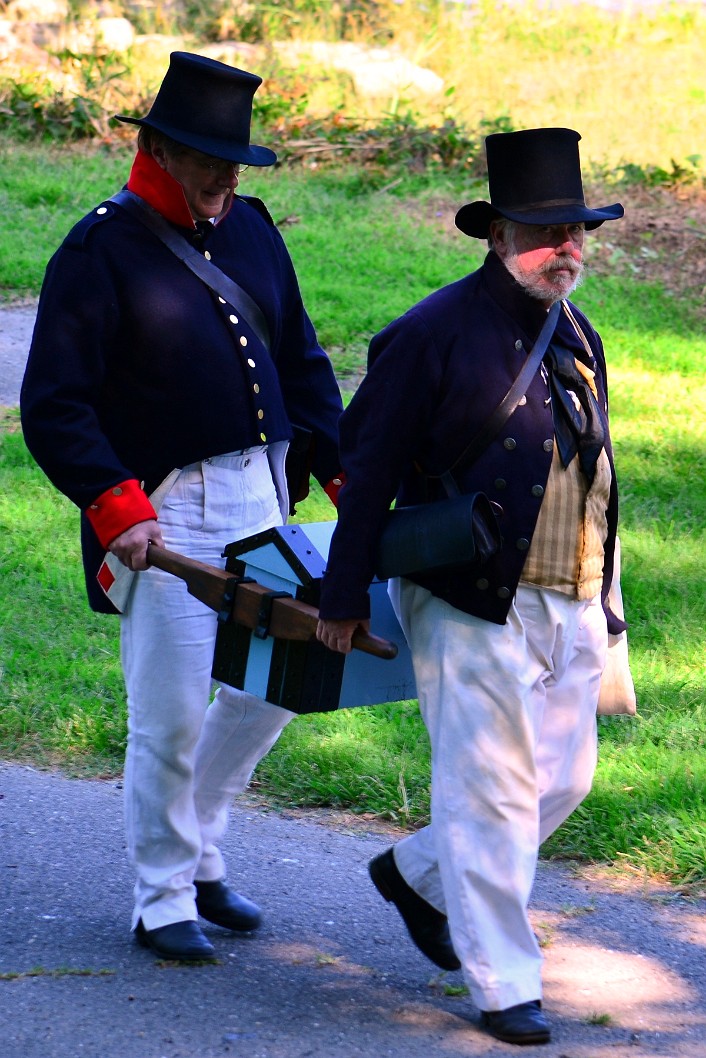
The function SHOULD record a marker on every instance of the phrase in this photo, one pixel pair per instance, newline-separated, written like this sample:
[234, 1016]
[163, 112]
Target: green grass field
[363, 255]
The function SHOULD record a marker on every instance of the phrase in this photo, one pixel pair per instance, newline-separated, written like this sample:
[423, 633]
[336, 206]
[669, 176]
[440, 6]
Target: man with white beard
[507, 656]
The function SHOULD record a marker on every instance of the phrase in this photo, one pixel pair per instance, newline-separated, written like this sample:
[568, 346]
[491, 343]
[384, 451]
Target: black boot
[179, 941]
[522, 1024]
[427, 927]
[218, 904]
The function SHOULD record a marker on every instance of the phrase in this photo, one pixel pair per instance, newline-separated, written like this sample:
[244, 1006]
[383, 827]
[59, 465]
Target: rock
[375, 72]
[19, 49]
[87, 36]
[38, 10]
[8, 41]
[115, 34]
[234, 53]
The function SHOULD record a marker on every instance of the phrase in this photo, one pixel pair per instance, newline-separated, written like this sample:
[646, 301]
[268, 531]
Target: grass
[62, 696]
[365, 247]
[62, 971]
[599, 1019]
[42, 194]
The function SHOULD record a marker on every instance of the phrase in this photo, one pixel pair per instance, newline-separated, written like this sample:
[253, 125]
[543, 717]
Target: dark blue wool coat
[434, 377]
[136, 367]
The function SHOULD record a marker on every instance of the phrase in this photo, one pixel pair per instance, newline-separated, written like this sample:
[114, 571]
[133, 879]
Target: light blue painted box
[306, 677]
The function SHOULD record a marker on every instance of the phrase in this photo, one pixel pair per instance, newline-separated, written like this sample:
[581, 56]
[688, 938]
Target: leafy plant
[686, 173]
[36, 107]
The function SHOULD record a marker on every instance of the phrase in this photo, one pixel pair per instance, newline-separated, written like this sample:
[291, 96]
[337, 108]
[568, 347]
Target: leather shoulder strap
[511, 399]
[206, 271]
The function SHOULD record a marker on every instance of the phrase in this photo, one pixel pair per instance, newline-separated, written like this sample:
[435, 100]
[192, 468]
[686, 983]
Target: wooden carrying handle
[375, 645]
[243, 602]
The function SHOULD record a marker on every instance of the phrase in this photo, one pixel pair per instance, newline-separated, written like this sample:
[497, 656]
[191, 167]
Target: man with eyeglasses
[507, 657]
[146, 386]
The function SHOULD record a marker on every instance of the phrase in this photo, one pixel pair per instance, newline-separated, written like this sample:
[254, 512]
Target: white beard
[541, 284]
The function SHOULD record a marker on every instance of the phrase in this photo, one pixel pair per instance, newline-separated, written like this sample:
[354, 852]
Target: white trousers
[511, 715]
[186, 758]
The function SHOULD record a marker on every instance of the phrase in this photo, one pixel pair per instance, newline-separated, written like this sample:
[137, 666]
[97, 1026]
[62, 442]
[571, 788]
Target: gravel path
[331, 974]
[16, 323]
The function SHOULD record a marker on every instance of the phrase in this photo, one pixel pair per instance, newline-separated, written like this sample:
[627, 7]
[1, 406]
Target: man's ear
[160, 156]
[497, 238]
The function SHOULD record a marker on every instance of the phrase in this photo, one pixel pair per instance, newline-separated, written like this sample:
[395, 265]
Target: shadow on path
[331, 973]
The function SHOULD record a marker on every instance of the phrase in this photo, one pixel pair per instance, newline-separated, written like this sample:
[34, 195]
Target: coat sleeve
[76, 322]
[381, 432]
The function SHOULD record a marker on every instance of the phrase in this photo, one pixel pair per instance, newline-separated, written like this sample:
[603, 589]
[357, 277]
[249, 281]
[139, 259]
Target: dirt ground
[661, 239]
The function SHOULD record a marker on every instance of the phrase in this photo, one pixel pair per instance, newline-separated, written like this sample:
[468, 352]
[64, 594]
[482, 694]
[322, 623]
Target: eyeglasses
[211, 164]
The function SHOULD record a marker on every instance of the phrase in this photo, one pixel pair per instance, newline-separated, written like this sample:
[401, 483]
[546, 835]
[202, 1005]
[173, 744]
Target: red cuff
[334, 487]
[118, 509]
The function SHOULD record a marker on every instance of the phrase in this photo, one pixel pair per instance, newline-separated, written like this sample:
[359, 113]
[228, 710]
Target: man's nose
[228, 171]
[566, 240]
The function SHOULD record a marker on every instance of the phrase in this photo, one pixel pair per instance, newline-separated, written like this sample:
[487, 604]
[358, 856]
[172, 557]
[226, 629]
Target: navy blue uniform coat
[434, 377]
[136, 367]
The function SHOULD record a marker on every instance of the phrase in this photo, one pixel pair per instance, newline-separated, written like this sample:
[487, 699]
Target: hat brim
[474, 218]
[243, 153]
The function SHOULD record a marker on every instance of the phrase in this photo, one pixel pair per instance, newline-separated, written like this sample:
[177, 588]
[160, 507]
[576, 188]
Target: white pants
[511, 715]
[186, 759]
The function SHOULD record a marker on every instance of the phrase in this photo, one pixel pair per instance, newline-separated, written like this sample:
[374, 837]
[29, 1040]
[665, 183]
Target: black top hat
[207, 105]
[534, 177]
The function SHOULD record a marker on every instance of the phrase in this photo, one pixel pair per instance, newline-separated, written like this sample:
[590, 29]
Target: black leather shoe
[218, 904]
[523, 1024]
[179, 941]
[427, 927]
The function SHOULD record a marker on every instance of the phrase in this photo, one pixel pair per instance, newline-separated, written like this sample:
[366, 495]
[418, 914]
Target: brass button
[482, 583]
[537, 491]
[518, 344]
[251, 363]
[522, 401]
[510, 443]
[243, 340]
[336, 481]
[260, 413]
[222, 300]
[117, 491]
[263, 437]
[522, 544]
[500, 483]
[233, 318]
[548, 445]
[101, 210]
[503, 593]
[207, 255]
[94, 506]
[256, 388]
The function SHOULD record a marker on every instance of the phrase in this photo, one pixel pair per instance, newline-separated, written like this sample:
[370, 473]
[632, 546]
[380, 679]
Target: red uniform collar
[161, 191]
